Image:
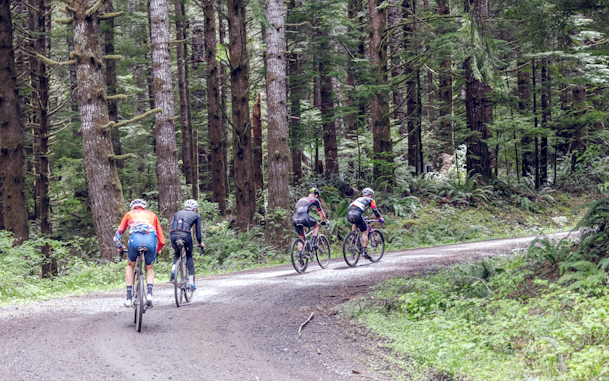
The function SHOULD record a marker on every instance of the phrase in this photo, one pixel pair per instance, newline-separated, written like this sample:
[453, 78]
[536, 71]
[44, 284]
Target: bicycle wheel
[178, 286]
[351, 248]
[323, 251]
[139, 307]
[188, 292]
[376, 245]
[134, 295]
[299, 260]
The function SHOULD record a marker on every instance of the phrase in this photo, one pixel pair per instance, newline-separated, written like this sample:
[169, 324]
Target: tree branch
[113, 57]
[94, 8]
[117, 97]
[67, 20]
[106, 16]
[50, 62]
[112, 124]
[122, 157]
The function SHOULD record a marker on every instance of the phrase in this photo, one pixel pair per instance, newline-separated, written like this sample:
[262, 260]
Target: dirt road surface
[241, 326]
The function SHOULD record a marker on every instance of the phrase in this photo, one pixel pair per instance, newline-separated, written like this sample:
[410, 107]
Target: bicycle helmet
[368, 192]
[191, 205]
[315, 191]
[138, 202]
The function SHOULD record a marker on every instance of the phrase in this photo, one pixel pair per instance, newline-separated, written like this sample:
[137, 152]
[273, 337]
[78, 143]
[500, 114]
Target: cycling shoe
[128, 303]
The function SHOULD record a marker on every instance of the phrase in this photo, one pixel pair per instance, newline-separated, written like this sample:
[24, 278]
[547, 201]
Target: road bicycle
[140, 305]
[300, 258]
[352, 245]
[182, 290]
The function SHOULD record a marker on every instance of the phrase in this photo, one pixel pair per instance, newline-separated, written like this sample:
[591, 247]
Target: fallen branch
[303, 324]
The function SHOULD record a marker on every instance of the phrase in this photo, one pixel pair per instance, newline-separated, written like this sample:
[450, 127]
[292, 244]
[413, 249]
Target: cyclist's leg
[312, 223]
[190, 263]
[176, 254]
[148, 241]
[297, 220]
[356, 216]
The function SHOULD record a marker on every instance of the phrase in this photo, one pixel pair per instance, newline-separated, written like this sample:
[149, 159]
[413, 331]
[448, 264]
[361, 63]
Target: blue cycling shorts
[147, 240]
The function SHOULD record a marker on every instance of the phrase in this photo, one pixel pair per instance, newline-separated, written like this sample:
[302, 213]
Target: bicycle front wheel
[299, 259]
[323, 251]
[351, 248]
[139, 300]
[376, 245]
[178, 286]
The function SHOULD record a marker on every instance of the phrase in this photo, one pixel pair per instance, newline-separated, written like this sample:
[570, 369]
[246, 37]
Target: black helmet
[315, 191]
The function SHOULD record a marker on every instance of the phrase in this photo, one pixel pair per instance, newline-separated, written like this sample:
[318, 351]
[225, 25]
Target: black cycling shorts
[303, 219]
[356, 216]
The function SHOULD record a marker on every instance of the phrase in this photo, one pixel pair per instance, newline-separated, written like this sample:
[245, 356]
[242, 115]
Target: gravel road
[240, 326]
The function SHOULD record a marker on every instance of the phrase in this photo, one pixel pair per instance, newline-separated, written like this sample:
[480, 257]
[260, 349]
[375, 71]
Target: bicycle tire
[176, 283]
[134, 295]
[300, 263]
[139, 308]
[376, 245]
[351, 249]
[323, 251]
[188, 292]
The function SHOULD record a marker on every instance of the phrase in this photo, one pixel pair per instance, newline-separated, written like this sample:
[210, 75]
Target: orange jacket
[140, 221]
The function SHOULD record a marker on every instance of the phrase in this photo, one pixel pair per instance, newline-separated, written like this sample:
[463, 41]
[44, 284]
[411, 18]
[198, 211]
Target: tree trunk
[108, 30]
[257, 147]
[328, 125]
[40, 103]
[12, 134]
[104, 187]
[195, 164]
[379, 105]
[2, 226]
[580, 130]
[396, 69]
[546, 115]
[186, 130]
[295, 87]
[73, 89]
[411, 88]
[223, 94]
[524, 105]
[245, 204]
[167, 171]
[478, 155]
[445, 97]
[278, 230]
[214, 114]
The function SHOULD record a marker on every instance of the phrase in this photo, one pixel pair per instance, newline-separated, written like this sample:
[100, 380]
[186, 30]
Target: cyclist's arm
[198, 228]
[320, 210]
[121, 229]
[159, 234]
[375, 209]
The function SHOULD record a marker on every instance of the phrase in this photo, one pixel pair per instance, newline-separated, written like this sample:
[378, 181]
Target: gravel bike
[182, 290]
[140, 305]
[300, 258]
[352, 245]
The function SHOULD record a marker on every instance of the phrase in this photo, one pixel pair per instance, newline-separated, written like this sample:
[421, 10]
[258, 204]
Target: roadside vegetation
[540, 313]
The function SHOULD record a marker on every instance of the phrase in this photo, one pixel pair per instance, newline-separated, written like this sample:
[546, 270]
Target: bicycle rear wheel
[376, 245]
[139, 300]
[178, 286]
[299, 260]
[188, 292]
[352, 248]
[323, 251]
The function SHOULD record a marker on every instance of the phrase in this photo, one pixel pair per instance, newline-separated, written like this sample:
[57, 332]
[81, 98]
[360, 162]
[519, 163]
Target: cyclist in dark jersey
[301, 216]
[356, 216]
[181, 226]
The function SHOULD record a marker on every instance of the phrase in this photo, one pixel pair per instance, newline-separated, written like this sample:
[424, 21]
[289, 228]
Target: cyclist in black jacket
[301, 216]
[181, 226]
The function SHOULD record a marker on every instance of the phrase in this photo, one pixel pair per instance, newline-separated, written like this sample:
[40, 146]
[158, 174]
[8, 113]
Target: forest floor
[239, 326]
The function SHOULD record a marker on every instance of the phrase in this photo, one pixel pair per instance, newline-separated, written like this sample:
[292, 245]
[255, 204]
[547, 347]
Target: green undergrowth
[536, 314]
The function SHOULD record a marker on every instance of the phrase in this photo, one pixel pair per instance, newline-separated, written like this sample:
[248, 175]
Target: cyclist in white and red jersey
[356, 216]
[301, 216]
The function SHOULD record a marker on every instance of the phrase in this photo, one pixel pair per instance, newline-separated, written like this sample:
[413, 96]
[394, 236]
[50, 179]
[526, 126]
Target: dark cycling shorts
[147, 240]
[303, 219]
[356, 216]
[187, 238]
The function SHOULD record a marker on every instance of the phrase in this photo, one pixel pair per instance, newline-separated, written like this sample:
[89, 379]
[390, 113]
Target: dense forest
[246, 103]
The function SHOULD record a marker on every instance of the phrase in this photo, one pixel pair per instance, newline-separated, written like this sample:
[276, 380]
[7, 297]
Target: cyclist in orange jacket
[144, 230]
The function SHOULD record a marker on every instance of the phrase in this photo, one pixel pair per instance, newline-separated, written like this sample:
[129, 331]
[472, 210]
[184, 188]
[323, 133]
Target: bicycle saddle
[142, 248]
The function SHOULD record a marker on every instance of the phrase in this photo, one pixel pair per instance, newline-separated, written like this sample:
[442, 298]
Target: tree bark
[104, 187]
[445, 97]
[12, 134]
[108, 30]
[379, 105]
[167, 171]
[257, 147]
[213, 111]
[396, 69]
[73, 89]
[40, 104]
[223, 94]
[295, 88]
[411, 88]
[327, 113]
[278, 230]
[546, 115]
[186, 130]
[524, 105]
[245, 204]
[580, 130]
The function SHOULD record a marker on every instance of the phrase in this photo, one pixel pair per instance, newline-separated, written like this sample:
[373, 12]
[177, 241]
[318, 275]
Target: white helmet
[138, 202]
[368, 192]
[191, 205]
